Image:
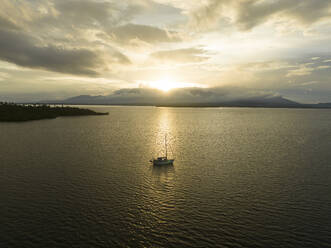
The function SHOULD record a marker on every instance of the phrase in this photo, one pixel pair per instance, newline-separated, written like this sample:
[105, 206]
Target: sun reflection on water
[161, 191]
[165, 130]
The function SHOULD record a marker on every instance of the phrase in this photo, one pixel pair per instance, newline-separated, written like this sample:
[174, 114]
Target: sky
[57, 49]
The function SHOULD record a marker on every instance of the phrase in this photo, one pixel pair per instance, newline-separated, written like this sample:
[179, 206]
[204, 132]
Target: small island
[11, 112]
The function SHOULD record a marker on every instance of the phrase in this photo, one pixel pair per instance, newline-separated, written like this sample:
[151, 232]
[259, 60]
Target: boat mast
[165, 142]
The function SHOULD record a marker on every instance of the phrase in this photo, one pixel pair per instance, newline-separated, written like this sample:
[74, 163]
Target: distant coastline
[12, 112]
[251, 102]
[300, 106]
[209, 105]
[250, 105]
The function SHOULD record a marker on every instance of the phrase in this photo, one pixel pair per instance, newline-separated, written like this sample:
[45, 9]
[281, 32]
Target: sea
[242, 177]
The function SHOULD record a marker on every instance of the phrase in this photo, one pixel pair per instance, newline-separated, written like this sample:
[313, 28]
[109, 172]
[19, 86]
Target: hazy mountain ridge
[190, 97]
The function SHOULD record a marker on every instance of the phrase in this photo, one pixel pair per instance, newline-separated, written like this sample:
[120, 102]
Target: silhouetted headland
[27, 112]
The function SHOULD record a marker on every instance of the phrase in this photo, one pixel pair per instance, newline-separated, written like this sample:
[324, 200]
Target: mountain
[83, 99]
[157, 101]
[271, 102]
[189, 97]
[324, 105]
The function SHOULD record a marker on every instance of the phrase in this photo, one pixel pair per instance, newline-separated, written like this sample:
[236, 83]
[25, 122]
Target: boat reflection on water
[163, 169]
[164, 173]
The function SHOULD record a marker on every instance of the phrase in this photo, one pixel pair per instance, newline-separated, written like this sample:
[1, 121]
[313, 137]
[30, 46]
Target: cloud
[187, 55]
[3, 76]
[95, 14]
[253, 13]
[71, 14]
[22, 49]
[324, 67]
[303, 70]
[207, 14]
[86, 12]
[247, 14]
[59, 35]
[7, 24]
[129, 91]
[134, 41]
[149, 34]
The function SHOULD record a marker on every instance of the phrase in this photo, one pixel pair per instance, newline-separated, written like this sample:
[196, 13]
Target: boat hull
[164, 162]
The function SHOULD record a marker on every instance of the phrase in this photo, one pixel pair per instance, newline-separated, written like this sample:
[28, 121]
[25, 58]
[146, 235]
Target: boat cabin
[162, 158]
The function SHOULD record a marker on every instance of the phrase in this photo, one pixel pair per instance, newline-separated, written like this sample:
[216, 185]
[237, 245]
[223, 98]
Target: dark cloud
[209, 14]
[79, 15]
[7, 24]
[201, 92]
[310, 11]
[133, 91]
[182, 55]
[251, 13]
[22, 49]
[85, 11]
[93, 14]
[149, 34]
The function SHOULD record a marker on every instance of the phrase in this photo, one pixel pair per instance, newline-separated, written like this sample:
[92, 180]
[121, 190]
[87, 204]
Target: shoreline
[12, 112]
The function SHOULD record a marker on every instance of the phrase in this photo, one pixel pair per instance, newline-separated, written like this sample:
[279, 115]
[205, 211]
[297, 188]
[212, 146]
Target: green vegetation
[28, 112]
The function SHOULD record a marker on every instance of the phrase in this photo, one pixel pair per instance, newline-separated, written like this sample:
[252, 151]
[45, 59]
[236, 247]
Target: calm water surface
[242, 178]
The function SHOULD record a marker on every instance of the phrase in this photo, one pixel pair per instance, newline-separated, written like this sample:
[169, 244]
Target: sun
[164, 85]
[167, 85]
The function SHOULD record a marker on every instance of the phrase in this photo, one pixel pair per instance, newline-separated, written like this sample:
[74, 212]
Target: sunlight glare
[167, 85]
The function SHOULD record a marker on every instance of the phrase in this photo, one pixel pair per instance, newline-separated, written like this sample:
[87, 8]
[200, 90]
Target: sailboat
[163, 160]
